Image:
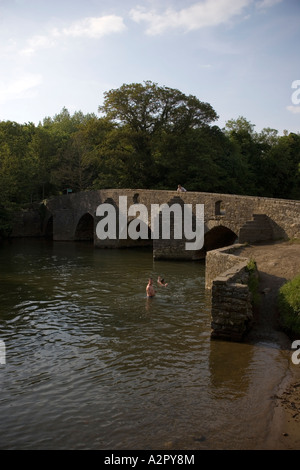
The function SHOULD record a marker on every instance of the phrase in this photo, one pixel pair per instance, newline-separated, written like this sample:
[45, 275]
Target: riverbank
[278, 262]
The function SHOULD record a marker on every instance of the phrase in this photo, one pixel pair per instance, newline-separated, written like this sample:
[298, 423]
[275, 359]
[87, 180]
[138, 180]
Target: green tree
[17, 170]
[70, 167]
[66, 123]
[153, 124]
[191, 159]
[84, 156]
[241, 134]
[282, 168]
[44, 158]
[150, 108]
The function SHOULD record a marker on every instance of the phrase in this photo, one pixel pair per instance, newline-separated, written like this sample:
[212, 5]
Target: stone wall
[226, 217]
[231, 300]
[220, 210]
[220, 260]
[29, 222]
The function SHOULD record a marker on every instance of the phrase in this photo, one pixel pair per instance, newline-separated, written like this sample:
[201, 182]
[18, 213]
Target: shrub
[289, 306]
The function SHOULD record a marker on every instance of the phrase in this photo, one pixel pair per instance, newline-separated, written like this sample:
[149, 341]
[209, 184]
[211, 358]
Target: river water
[91, 363]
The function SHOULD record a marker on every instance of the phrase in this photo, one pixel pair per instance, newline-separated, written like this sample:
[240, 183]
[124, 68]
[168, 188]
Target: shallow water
[91, 363]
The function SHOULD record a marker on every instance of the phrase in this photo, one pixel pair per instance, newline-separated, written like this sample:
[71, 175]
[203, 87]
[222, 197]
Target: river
[91, 363]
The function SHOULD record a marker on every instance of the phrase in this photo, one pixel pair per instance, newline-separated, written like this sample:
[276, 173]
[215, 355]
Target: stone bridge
[227, 219]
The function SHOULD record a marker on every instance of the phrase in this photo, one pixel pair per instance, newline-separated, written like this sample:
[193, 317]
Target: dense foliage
[147, 137]
[289, 306]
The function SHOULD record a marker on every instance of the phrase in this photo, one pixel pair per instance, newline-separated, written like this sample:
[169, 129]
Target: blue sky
[241, 56]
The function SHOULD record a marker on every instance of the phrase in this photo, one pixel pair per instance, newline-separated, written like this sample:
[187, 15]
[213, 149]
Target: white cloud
[200, 15]
[37, 42]
[267, 3]
[95, 27]
[293, 109]
[23, 87]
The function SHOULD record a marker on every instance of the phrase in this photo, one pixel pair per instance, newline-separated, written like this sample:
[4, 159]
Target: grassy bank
[289, 307]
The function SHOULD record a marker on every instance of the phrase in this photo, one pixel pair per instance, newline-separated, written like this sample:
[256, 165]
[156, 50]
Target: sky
[240, 56]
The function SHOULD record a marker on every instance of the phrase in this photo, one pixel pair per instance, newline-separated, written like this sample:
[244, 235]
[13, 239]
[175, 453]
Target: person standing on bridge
[181, 189]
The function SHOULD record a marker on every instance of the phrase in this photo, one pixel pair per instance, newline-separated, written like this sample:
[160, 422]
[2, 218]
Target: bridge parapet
[226, 217]
[227, 277]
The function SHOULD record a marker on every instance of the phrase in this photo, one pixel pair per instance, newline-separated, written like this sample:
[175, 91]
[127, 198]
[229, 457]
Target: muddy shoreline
[277, 262]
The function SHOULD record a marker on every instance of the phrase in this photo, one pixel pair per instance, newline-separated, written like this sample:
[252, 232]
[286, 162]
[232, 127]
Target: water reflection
[92, 364]
[229, 366]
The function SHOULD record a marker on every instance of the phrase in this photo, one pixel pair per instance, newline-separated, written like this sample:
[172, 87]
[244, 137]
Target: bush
[289, 306]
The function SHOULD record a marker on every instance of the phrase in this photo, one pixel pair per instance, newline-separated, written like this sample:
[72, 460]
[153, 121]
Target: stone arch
[128, 242]
[217, 237]
[85, 228]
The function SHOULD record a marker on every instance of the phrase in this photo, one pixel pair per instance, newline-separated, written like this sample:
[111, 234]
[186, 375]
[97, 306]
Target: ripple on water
[92, 363]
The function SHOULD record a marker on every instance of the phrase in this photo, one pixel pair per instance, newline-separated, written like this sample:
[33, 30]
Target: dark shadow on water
[266, 328]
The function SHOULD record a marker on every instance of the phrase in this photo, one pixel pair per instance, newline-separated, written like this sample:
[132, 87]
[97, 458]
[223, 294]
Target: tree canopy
[149, 137]
[150, 108]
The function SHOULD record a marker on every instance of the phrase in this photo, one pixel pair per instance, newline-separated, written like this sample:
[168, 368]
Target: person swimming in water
[150, 289]
[161, 282]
